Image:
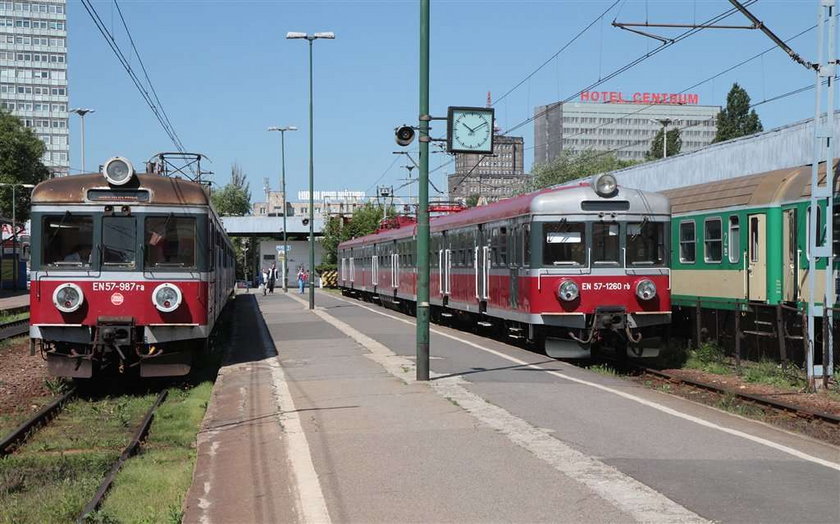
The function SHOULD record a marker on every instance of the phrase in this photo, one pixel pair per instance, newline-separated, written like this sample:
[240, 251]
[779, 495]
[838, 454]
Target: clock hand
[479, 125]
[468, 127]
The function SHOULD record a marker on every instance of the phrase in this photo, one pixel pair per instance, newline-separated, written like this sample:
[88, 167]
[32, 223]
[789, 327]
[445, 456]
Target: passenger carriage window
[734, 244]
[170, 242]
[526, 245]
[688, 247]
[564, 244]
[502, 250]
[605, 243]
[646, 244]
[68, 240]
[712, 240]
[754, 241]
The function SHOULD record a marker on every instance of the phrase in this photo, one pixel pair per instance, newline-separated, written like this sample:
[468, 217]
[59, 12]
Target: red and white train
[569, 269]
[128, 271]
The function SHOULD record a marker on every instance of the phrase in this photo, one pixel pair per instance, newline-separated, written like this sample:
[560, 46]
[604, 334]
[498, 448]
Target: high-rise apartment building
[492, 177]
[623, 124]
[33, 73]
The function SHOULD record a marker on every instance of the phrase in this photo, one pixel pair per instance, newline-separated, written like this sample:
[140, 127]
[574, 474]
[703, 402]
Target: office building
[623, 124]
[33, 73]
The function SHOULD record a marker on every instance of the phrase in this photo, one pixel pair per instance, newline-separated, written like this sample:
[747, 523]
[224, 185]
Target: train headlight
[605, 185]
[68, 297]
[568, 291]
[167, 297]
[645, 289]
[117, 171]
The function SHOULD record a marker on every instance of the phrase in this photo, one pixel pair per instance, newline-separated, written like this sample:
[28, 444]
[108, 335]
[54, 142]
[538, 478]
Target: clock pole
[423, 203]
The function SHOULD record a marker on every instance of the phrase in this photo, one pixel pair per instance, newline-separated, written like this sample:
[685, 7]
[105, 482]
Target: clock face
[471, 130]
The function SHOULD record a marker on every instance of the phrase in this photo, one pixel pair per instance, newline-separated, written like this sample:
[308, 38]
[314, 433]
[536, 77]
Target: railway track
[37, 421]
[748, 397]
[129, 451]
[14, 328]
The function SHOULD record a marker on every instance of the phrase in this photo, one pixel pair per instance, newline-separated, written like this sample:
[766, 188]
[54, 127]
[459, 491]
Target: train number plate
[118, 286]
[605, 286]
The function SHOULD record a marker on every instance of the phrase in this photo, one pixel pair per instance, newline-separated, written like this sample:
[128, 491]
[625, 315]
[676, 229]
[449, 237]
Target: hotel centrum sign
[617, 97]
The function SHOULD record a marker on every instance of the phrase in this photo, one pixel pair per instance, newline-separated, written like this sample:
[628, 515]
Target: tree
[235, 197]
[674, 144]
[737, 119]
[571, 166]
[20, 163]
[472, 200]
[364, 221]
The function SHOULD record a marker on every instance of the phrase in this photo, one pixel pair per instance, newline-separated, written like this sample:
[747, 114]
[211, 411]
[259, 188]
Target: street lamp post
[282, 131]
[310, 39]
[82, 112]
[665, 122]
[14, 227]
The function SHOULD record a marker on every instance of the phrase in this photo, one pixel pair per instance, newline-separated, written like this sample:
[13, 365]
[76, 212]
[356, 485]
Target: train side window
[712, 240]
[754, 240]
[502, 243]
[67, 240]
[170, 242]
[734, 239]
[688, 246]
[526, 245]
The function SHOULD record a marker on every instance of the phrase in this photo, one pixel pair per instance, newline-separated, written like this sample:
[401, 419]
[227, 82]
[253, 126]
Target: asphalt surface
[499, 434]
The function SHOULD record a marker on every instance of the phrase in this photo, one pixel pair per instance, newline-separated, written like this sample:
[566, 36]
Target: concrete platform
[316, 417]
[13, 299]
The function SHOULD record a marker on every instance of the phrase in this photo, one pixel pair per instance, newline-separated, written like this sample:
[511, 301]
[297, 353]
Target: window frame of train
[733, 241]
[709, 243]
[88, 220]
[683, 242]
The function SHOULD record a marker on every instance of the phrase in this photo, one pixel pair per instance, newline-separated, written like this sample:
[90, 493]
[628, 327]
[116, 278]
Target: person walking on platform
[301, 276]
[272, 277]
[264, 280]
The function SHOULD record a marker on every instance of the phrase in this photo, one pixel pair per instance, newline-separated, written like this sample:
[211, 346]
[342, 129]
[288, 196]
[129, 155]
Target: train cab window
[170, 242]
[67, 240]
[712, 240]
[564, 244]
[688, 247]
[119, 241]
[605, 243]
[734, 239]
[646, 244]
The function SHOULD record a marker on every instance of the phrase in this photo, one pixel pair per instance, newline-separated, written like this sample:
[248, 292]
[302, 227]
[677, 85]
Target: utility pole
[423, 203]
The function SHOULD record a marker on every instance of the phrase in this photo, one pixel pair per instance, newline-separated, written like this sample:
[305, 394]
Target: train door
[395, 270]
[790, 253]
[444, 266]
[374, 268]
[757, 258]
[514, 252]
[481, 253]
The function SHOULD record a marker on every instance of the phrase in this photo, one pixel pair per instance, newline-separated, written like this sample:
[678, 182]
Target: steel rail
[776, 404]
[25, 430]
[129, 451]
[14, 328]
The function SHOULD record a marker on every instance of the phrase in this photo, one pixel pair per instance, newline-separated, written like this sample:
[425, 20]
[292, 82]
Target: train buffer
[316, 417]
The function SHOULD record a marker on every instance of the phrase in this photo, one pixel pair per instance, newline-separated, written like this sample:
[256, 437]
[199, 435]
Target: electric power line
[109, 39]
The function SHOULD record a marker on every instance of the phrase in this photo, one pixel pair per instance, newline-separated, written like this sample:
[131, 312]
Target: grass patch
[603, 369]
[5, 317]
[87, 424]
[781, 375]
[44, 488]
[708, 358]
[151, 487]
[733, 404]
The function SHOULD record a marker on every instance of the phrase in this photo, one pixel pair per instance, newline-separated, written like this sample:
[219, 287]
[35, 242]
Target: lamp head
[329, 35]
[292, 35]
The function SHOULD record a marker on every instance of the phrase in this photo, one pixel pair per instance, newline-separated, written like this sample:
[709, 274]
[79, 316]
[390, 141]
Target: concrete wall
[298, 256]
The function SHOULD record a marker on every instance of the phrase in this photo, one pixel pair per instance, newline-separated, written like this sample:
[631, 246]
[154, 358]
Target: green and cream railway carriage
[741, 244]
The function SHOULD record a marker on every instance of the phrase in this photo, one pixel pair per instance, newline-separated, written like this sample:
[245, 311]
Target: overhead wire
[616, 72]
[111, 41]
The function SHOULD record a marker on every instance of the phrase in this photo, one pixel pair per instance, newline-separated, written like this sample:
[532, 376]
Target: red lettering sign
[617, 97]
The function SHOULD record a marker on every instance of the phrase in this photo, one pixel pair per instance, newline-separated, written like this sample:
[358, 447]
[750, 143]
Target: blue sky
[224, 72]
